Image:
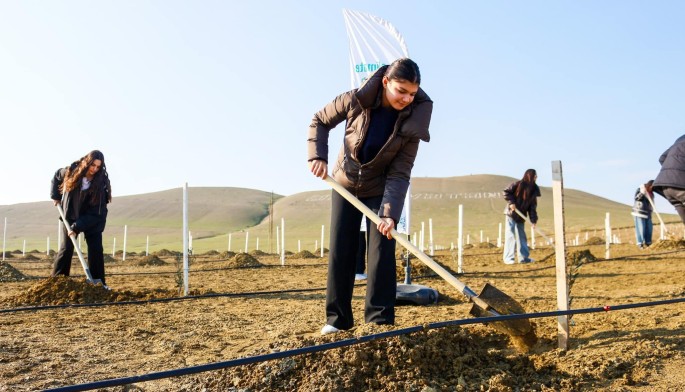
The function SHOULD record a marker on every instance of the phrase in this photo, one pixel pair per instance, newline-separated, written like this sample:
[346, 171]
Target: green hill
[244, 213]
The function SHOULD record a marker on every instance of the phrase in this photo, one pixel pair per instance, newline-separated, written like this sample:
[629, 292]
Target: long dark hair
[404, 69]
[98, 185]
[526, 188]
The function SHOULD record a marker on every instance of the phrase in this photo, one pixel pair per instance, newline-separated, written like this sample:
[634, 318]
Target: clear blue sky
[220, 93]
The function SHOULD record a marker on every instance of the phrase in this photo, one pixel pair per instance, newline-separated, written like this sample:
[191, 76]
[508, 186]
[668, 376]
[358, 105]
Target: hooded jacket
[527, 207]
[642, 208]
[387, 174]
[672, 173]
[83, 214]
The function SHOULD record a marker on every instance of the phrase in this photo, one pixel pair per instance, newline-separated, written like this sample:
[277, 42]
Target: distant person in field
[642, 211]
[385, 119]
[521, 196]
[670, 182]
[83, 189]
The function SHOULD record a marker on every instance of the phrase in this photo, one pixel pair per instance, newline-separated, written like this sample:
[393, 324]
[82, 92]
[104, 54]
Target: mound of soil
[417, 269]
[594, 241]
[9, 273]
[258, 252]
[227, 254]
[318, 251]
[486, 245]
[31, 257]
[244, 260]
[166, 253]
[305, 254]
[212, 252]
[150, 260]
[445, 359]
[62, 290]
[580, 257]
[668, 244]
[8, 255]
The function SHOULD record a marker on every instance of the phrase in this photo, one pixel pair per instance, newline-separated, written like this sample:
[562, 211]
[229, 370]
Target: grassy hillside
[216, 212]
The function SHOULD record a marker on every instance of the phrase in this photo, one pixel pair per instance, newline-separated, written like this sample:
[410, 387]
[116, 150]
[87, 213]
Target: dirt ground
[247, 305]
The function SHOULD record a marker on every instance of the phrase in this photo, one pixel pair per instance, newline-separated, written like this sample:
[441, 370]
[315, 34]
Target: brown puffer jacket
[389, 172]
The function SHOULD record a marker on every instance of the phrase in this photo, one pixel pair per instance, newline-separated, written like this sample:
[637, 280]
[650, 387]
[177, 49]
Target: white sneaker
[327, 329]
[359, 276]
[509, 262]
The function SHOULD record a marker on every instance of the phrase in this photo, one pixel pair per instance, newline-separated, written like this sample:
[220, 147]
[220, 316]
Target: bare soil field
[57, 332]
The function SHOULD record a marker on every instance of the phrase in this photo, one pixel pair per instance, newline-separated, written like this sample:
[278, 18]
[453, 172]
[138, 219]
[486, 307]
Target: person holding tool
[83, 190]
[642, 211]
[521, 197]
[386, 118]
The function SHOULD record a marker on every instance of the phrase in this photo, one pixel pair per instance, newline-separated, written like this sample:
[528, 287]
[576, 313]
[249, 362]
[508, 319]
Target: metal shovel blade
[521, 331]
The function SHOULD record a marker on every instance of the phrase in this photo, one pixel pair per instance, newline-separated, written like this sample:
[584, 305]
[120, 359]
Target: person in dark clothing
[642, 211]
[670, 182]
[522, 196]
[83, 189]
[386, 118]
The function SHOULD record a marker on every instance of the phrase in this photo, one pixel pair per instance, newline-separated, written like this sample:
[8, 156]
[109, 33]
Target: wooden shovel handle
[470, 294]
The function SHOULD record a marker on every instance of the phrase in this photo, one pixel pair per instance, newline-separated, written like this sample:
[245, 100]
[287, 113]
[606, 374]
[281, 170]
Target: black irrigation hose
[343, 343]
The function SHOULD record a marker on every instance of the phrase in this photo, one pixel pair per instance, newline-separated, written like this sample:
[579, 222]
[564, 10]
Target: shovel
[89, 277]
[519, 213]
[491, 301]
[657, 212]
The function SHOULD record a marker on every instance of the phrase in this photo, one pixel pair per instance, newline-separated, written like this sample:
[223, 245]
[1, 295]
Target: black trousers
[381, 284]
[96, 259]
[676, 197]
[361, 252]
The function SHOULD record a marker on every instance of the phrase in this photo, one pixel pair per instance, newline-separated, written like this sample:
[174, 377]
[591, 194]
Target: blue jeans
[510, 240]
[643, 230]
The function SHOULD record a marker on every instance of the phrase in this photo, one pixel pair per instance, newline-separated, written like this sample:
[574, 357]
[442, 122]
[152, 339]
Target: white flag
[374, 42]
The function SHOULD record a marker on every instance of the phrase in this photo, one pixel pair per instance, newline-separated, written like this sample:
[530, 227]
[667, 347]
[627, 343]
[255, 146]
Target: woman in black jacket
[83, 189]
[522, 196]
[385, 119]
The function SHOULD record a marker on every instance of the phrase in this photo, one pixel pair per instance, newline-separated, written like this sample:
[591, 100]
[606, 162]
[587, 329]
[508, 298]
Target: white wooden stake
[607, 229]
[322, 227]
[114, 246]
[316, 245]
[257, 244]
[23, 249]
[185, 239]
[282, 241]
[460, 239]
[481, 236]
[430, 236]
[560, 254]
[299, 249]
[229, 242]
[125, 235]
[247, 239]
[4, 237]
[499, 235]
